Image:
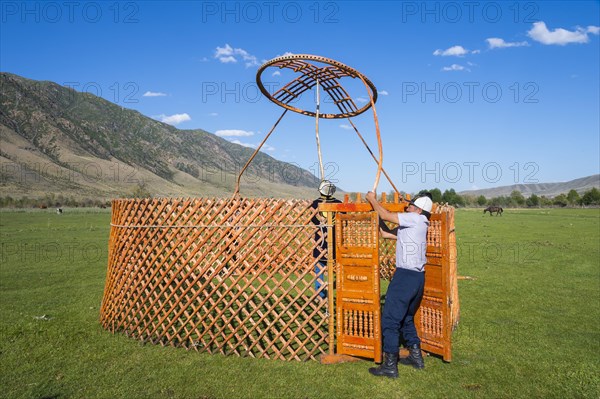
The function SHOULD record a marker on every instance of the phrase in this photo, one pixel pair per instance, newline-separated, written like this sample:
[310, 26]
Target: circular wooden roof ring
[328, 76]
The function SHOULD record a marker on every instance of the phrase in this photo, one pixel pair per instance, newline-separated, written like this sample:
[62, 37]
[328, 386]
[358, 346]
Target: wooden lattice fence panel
[216, 275]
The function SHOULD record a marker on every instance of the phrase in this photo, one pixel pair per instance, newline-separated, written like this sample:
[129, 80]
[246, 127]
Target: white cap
[326, 188]
[424, 203]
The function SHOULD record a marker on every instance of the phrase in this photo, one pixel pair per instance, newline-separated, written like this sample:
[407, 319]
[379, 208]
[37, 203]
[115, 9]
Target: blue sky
[472, 94]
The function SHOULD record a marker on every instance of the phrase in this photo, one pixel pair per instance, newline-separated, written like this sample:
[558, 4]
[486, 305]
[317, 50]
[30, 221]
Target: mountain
[548, 189]
[54, 139]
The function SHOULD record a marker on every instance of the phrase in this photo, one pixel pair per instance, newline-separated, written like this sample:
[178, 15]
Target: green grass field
[529, 327]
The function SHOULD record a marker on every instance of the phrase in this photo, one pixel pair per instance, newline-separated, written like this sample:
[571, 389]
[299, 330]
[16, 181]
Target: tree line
[52, 201]
[516, 199]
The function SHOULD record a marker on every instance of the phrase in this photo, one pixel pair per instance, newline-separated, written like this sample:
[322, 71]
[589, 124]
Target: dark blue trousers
[402, 300]
[320, 269]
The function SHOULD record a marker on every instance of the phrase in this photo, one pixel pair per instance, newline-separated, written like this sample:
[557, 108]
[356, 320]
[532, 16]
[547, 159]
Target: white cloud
[229, 54]
[250, 59]
[234, 133]
[455, 67]
[457, 51]
[362, 99]
[265, 146]
[153, 94]
[175, 119]
[347, 127]
[560, 36]
[227, 59]
[213, 114]
[242, 144]
[496, 42]
[276, 73]
[383, 93]
[223, 51]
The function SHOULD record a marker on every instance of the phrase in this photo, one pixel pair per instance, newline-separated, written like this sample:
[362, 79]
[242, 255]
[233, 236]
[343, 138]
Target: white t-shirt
[411, 246]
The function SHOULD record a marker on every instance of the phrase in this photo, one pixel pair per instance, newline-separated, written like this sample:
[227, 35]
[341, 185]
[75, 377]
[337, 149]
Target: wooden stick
[237, 184]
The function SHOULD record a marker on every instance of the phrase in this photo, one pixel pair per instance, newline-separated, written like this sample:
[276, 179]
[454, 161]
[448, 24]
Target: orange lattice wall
[222, 276]
[231, 277]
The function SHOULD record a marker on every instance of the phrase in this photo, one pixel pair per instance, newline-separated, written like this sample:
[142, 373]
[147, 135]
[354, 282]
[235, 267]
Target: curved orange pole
[237, 184]
[373, 155]
[379, 144]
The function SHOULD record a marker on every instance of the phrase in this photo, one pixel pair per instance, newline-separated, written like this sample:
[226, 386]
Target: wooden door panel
[357, 291]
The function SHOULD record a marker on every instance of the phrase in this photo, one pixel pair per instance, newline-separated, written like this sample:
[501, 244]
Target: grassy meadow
[529, 326]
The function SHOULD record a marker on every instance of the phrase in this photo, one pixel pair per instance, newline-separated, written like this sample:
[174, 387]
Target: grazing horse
[491, 209]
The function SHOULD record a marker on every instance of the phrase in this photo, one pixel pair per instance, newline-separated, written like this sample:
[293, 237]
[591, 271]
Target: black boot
[387, 368]
[415, 358]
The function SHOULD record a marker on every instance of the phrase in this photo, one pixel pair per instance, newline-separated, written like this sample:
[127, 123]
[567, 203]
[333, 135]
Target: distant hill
[57, 140]
[548, 189]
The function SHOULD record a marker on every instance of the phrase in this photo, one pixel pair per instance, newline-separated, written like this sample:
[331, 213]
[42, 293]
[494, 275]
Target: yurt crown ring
[327, 76]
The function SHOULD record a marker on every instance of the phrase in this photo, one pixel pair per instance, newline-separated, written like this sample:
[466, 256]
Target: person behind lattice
[321, 251]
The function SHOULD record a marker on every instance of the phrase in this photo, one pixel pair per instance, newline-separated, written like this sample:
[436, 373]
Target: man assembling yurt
[405, 291]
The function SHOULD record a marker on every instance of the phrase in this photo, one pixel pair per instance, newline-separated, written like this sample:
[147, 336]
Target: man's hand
[371, 196]
[387, 234]
[383, 213]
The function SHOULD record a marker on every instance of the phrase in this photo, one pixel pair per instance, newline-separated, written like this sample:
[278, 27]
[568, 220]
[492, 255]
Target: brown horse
[491, 209]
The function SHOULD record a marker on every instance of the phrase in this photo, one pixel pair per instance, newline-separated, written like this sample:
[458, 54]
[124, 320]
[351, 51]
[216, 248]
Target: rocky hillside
[57, 140]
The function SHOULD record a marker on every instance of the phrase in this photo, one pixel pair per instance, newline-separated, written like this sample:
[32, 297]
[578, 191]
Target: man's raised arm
[381, 211]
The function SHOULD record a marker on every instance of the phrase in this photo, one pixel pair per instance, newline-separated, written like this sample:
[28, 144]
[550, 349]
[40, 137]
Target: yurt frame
[238, 276]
